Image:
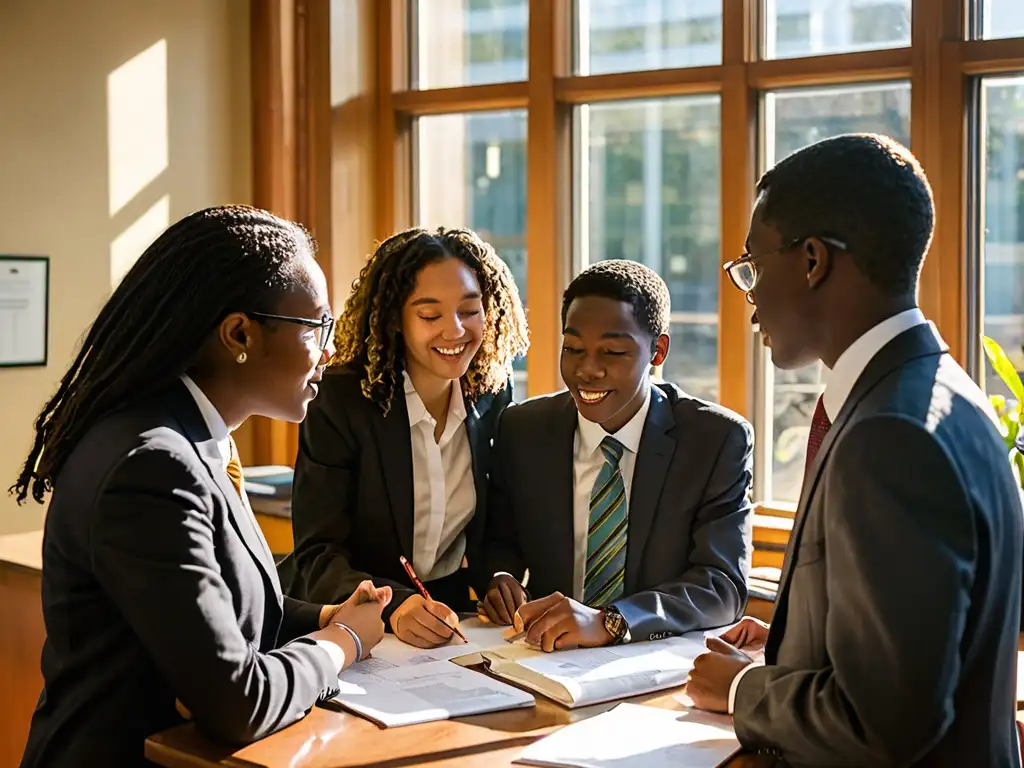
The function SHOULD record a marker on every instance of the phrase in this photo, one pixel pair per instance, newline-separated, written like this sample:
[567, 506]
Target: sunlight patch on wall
[129, 245]
[137, 128]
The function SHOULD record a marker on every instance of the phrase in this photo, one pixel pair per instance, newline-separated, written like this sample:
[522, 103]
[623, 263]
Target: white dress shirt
[587, 462]
[214, 422]
[444, 493]
[839, 383]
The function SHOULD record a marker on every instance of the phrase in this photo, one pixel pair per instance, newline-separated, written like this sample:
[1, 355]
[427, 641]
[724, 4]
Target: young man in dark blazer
[895, 632]
[625, 501]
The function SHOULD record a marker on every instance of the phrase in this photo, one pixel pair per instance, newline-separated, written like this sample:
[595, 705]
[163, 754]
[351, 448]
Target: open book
[576, 678]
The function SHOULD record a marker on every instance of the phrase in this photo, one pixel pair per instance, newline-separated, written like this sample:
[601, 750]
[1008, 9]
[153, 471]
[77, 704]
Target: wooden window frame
[290, 55]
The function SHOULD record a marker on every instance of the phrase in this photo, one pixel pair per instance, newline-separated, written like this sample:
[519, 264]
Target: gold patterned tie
[234, 469]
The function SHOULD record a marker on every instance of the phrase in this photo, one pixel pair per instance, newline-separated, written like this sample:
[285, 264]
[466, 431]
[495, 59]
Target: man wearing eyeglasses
[895, 633]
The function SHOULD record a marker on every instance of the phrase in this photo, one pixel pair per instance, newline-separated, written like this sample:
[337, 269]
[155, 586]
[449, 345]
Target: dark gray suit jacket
[352, 498]
[895, 634]
[689, 536]
[157, 586]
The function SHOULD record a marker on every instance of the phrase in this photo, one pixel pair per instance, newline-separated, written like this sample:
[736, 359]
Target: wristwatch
[615, 624]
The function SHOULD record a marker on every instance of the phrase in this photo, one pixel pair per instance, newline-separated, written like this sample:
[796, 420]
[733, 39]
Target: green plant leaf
[1017, 465]
[1001, 365]
[998, 403]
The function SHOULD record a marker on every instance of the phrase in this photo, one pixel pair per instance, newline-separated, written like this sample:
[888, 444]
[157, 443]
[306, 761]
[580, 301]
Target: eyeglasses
[324, 326]
[744, 272]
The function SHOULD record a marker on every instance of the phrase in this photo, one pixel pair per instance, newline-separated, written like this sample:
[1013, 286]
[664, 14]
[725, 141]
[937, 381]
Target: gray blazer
[689, 537]
[895, 634]
[157, 586]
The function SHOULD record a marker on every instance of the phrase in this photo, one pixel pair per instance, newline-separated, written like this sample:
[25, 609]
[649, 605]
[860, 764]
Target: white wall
[117, 117]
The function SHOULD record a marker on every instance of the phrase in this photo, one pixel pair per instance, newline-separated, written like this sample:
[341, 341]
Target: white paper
[401, 684]
[23, 297]
[481, 636]
[634, 736]
[393, 694]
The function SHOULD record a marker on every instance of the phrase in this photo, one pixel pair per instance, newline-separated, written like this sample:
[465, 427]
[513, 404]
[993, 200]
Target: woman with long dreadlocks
[393, 456]
[160, 596]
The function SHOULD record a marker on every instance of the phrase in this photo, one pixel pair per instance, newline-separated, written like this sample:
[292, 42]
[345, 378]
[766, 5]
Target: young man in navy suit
[625, 501]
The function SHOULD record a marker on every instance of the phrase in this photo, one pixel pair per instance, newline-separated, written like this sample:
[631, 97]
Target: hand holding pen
[421, 621]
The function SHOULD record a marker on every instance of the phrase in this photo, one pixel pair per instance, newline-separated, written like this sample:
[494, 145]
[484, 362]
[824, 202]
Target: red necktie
[820, 426]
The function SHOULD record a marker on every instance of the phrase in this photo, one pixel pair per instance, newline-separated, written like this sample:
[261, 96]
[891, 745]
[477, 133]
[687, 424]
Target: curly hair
[629, 281]
[369, 330]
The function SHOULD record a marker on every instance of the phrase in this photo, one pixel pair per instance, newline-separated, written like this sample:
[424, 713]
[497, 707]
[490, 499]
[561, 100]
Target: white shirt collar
[851, 364]
[591, 433]
[418, 411]
[214, 422]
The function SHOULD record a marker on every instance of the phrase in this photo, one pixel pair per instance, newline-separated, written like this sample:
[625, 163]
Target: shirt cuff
[736, 684]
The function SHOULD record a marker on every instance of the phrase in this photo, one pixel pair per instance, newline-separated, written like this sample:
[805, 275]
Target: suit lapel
[555, 452]
[191, 421]
[652, 462]
[479, 449]
[394, 442]
[919, 341]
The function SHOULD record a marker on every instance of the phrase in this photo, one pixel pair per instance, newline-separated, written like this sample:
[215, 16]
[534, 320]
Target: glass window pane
[471, 172]
[469, 42]
[649, 182]
[794, 119]
[795, 28]
[1001, 18]
[631, 35]
[1002, 235]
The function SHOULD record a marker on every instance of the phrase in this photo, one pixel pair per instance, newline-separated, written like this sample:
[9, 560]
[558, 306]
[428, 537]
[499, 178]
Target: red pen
[426, 595]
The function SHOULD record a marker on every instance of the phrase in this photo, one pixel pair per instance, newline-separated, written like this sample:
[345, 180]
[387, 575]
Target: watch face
[615, 624]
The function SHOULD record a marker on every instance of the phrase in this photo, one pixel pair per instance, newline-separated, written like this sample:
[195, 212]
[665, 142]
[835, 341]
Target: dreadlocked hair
[369, 330]
[206, 266]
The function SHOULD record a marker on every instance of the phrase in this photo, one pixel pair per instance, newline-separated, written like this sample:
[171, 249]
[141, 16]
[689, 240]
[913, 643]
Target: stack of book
[269, 489]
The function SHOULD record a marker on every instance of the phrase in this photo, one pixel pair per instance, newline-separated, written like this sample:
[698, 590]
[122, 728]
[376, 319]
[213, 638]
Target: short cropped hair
[865, 190]
[629, 281]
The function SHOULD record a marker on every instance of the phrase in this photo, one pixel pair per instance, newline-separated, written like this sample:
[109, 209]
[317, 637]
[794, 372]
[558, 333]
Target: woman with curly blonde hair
[394, 454]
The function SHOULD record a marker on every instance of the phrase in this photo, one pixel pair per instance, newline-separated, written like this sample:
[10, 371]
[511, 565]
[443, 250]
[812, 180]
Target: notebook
[403, 685]
[584, 676]
[634, 736]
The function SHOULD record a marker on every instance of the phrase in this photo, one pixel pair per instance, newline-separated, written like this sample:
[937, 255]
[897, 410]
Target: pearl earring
[242, 357]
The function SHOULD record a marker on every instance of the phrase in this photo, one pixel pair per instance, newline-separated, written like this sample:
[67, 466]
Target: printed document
[634, 736]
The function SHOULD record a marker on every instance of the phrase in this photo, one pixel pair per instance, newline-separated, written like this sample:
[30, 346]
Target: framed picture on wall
[24, 310]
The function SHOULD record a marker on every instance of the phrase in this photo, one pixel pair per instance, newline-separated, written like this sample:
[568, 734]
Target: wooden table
[21, 639]
[340, 740]
[331, 739]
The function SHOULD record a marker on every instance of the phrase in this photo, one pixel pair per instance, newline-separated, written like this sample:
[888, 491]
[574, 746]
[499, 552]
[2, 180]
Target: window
[1000, 18]
[816, 27]
[648, 190]
[794, 119]
[631, 35]
[875, 26]
[491, 47]
[1002, 220]
[792, 29]
[471, 171]
[469, 42]
[613, 153]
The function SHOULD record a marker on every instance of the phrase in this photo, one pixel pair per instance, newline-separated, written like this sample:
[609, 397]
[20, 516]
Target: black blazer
[895, 632]
[352, 498]
[157, 586]
[689, 533]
